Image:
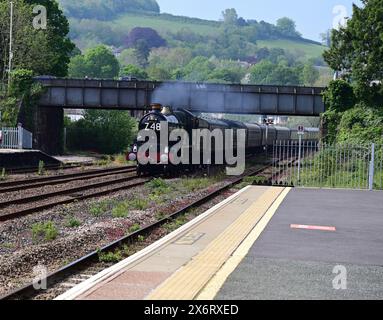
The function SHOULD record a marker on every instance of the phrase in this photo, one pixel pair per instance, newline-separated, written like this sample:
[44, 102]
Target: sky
[311, 16]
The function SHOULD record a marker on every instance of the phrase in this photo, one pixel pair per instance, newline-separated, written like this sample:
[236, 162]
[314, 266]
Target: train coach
[257, 138]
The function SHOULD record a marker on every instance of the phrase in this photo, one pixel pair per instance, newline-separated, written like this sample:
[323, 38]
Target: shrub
[121, 210]
[110, 257]
[98, 209]
[72, 222]
[134, 228]
[108, 132]
[47, 231]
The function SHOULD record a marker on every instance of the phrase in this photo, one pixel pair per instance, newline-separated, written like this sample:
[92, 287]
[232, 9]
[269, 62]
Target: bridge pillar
[48, 131]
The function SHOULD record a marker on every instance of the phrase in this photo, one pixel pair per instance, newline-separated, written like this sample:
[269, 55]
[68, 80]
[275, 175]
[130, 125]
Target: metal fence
[312, 164]
[15, 138]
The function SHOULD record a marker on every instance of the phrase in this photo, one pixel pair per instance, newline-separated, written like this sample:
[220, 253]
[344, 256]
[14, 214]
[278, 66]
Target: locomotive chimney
[156, 106]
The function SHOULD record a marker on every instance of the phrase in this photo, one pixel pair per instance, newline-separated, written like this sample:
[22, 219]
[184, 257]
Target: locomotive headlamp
[132, 156]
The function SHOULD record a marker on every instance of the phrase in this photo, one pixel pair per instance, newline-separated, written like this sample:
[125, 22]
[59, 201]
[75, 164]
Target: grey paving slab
[288, 263]
[274, 279]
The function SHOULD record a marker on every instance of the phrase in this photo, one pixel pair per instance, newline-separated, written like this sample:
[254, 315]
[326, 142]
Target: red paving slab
[131, 285]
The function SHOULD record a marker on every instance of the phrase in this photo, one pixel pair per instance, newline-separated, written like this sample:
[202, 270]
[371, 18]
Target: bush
[108, 132]
[47, 231]
[361, 124]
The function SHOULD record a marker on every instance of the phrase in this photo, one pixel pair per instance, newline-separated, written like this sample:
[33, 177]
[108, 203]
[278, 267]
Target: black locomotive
[257, 138]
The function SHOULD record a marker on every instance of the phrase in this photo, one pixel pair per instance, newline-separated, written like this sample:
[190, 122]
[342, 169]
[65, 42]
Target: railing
[15, 138]
[312, 164]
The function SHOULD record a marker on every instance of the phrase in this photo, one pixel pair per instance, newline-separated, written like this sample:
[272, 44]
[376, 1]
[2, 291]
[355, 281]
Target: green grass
[162, 24]
[98, 209]
[3, 175]
[72, 222]
[309, 49]
[134, 228]
[121, 210]
[174, 225]
[46, 231]
[110, 257]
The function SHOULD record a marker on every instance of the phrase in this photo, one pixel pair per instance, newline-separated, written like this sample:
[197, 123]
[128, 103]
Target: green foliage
[267, 73]
[3, 176]
[98, 209]
[42, 51]
[309, 74]
[98, 62]
[288, 27]
[41, 169]
[175, 224]
[134, 71]
[9, 111]
[106, 10]
[47, 231]
[121, 210]
[110, 257]
[361, 124]
[139, 204]
[339, 96]
[158, 187]
[195, 184]
[72, 222]
[230, 16]
[108, 132]
[134, 228]
[357, 51]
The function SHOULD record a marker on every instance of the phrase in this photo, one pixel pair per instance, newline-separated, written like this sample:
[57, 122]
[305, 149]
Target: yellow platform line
[215, 284]
[188, 281]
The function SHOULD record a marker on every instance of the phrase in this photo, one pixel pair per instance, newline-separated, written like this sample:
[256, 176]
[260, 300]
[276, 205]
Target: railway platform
[261, 243]
[18, 158]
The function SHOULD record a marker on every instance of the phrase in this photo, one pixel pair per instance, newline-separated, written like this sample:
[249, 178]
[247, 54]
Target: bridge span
[196, 97]
[135, 96]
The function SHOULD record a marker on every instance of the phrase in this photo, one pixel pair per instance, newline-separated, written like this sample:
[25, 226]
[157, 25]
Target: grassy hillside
[87, 37]
[164, 23]
[310, 50]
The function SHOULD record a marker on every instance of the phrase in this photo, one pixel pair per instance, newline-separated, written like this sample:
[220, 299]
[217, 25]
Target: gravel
[19, 253]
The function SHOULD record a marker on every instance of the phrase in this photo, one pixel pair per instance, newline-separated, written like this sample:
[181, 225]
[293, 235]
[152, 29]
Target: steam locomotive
[257, 138]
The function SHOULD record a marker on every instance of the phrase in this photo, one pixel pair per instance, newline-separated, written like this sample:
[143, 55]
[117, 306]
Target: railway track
[19, 185]
[23, 170]
[19, 207]
[89, 265]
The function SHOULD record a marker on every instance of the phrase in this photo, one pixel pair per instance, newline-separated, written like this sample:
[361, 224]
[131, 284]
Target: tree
[230, 16]
[42, 51]
[147, 35]
[268, 73]
[57, 37]
[339, 96]
[356, 49]
[310, 74]
[134, 71]
[142, 51]
[287, 27]
[98, 62]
